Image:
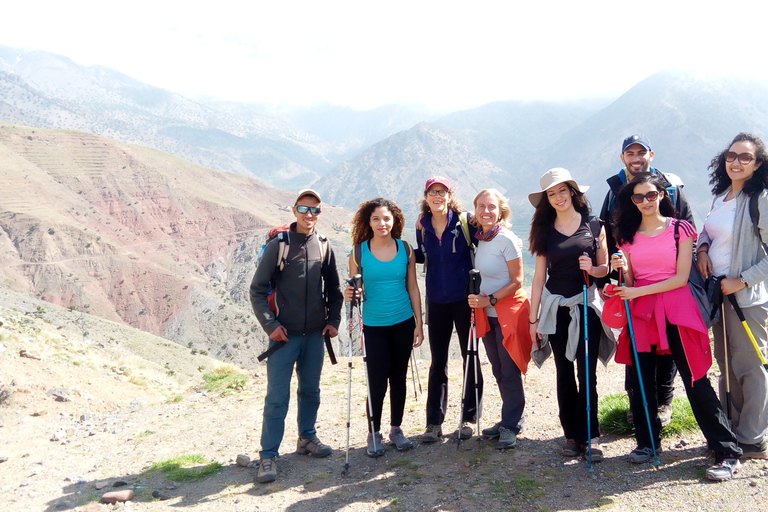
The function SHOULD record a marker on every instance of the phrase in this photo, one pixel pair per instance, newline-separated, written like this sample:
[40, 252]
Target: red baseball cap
[614, 310]
[437, 179]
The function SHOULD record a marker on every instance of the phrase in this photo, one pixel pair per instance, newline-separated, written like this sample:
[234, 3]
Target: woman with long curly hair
[445, 244]
[658, 252]
[392, 323]
[732, 244]
[570, 251]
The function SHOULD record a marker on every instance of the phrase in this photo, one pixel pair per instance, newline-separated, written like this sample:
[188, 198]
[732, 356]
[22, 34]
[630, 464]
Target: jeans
[306, 352]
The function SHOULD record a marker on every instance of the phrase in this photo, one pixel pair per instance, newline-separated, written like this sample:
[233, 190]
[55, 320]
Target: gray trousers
[748, 379]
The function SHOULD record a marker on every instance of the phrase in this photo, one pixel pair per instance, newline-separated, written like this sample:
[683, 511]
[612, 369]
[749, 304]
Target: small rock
[100, 485]
[752, 483]
[59, 435]
[29, 355]
[118, 496]
[120, 483]
[116, 431]
[243, 460]
[41, 412]
[3, 459]
[87, 417]
[140, 401]
[160, 496]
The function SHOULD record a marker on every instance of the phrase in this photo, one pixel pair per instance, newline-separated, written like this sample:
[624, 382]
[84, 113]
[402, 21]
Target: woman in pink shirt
[666, 318]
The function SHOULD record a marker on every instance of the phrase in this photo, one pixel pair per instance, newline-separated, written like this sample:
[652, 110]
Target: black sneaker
[507, 438]
[492, 432]
[755, 450]
[433, 434]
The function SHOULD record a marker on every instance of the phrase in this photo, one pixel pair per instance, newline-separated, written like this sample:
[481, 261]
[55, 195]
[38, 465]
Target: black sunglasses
[650, 196]
[304, 209]
[744, 158]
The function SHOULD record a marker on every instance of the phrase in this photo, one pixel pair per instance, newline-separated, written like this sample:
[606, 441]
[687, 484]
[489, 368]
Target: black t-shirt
[565, 277]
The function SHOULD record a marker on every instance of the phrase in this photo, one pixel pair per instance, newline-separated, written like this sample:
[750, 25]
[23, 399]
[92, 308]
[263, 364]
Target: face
[647, 206]
[560, 197]
[382, 221]
[487, 211]
[436, 202]
[305, 222]
[737, 171]
[637, 159]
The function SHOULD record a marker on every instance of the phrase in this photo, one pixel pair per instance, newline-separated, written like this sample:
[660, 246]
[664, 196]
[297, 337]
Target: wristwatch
[741, 276]
[493, 299]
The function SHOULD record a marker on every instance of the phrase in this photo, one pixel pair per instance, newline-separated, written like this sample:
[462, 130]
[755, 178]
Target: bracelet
[533, 321]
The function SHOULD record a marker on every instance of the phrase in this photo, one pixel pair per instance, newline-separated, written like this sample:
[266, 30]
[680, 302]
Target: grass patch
[146, 433]
[402, 463]
[225, 379]
[612, 414]
[175, 398]
[186, 468]
[528, 486]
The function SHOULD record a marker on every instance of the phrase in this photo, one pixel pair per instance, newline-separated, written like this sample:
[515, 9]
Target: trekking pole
[351, 321]
[727, 371]
[586, 372]
[639, 373]
[413, 376]
[473, 288]
[358, 284]
[416, 366]
[743, 320]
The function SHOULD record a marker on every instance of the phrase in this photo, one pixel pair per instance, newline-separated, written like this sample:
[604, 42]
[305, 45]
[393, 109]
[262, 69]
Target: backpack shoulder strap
[464, 222]
[358, 257]
[754, 214]
[283, 241]
[595, 227]
[677, 236]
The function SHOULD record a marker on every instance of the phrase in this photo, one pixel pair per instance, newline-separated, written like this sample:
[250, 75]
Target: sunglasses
[650, 196]
[441, 193]
[744, 158]
[304, 209]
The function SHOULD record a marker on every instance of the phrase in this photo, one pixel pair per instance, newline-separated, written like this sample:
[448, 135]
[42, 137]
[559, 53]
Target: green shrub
[186, 468]
[612, 414]
[225, 378]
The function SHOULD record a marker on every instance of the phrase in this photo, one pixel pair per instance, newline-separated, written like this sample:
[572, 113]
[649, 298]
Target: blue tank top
[386, 296]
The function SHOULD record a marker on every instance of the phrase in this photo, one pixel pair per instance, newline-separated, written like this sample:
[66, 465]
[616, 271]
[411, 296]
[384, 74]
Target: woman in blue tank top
[392, 323]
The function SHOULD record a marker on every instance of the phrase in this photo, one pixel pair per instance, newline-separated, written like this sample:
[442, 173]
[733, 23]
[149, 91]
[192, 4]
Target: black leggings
[388, 350]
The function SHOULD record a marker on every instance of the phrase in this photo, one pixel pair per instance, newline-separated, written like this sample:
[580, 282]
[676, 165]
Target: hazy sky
[365, 54]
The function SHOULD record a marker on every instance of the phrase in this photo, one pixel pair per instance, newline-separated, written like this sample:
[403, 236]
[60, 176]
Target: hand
[478, 301]
[618, 263]
[418, 336]
[349, 291]
[585, 263]
[603, 296]
[535, 336]
[731, 285]
[417, 224]
[704, 264]
[627, 292]
[331, 330]
[279, 334]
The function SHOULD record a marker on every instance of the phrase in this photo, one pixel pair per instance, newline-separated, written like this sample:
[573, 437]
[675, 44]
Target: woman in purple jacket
[445, 246]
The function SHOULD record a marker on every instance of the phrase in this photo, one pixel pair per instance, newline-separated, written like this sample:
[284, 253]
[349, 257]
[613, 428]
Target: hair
[544, 219]
[505, 212]
[757, 183]
[453, 203]
[361, 223]
[628, 221]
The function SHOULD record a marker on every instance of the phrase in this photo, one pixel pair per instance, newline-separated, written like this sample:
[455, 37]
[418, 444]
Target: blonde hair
[505, 212]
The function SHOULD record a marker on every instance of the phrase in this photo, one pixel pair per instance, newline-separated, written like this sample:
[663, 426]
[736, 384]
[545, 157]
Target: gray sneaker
[665, 414]
[313, 447]
[507, 438]
[724, 469]
[375, 445]
[397, 438]
[267, 471]
[433, 434]
[492, 432]
[465, 431]
[755, 450]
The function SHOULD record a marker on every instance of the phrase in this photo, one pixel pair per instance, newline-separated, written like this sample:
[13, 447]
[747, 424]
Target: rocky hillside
[137, 236]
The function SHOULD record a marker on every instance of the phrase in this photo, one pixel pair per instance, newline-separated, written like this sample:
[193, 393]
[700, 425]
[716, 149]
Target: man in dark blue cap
[637, 155]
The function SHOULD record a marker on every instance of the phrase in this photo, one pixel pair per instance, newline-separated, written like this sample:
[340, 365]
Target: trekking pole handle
[355, 282]
[474, 282]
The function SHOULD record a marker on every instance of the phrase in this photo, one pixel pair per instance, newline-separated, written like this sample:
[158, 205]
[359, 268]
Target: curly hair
[453, 203]
[628, 221]
[505, 212]
[757, 183]
[544, 219]
[361, 223]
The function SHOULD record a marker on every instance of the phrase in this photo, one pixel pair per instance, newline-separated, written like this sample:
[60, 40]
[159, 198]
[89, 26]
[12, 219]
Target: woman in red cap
[445, 244]
[658, 251]
[571, 251]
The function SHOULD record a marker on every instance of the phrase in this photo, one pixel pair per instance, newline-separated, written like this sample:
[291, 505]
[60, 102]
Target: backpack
[464, 224]
[674, 181]
[705, 291]
[281, 234]
[754, 215]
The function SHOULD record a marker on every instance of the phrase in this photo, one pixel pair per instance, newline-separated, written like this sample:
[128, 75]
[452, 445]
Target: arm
[602, 268]
[758, 272]
[353, 270]
[415, 296]
[259, 291]
[515, 269]
[420, 256]
[334, 297]
[680, 279]
[539, 279]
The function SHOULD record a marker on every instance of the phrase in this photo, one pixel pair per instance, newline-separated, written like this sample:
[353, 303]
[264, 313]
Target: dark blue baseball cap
[636, 139]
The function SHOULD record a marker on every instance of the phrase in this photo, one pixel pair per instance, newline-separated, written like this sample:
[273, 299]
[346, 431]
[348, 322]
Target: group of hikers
[644, 240]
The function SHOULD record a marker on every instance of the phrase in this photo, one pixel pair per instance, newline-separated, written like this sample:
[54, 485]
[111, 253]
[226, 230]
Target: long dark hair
[628, 222]
[757, 183]
[544, 219]
[361, 223]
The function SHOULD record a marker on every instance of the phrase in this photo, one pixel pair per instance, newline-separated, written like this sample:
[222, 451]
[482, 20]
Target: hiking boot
[640, 455]
[724, 469]
[571, 448]
[755, 450]
[465, 431]
[313, 447]
[377, 449]
[597, 452]
[492, 432]
[507, 438]
[397, 438]
[267, 471]
[433, 434]
[665, 414]
[630, 416]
